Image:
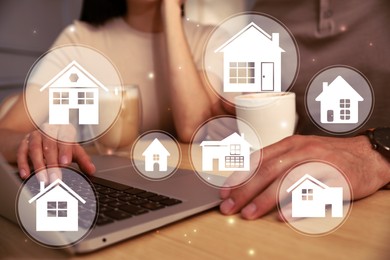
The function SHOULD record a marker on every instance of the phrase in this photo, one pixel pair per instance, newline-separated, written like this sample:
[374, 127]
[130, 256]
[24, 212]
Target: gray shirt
[347, 32]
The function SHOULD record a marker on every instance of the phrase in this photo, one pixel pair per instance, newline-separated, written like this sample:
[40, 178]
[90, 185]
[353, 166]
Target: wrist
[171, 9]
[380, 140]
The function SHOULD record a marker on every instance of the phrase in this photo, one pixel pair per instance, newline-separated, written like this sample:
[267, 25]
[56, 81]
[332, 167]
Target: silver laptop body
[184, 185]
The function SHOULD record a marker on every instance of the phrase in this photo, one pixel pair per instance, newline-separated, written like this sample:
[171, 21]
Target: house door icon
[330, 115]
[267, 76]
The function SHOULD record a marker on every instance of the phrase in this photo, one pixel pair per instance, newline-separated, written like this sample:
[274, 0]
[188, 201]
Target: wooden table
[210, 235]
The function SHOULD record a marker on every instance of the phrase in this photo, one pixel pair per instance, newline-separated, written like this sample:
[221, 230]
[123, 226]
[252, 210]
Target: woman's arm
[192, 102]
[14, 126]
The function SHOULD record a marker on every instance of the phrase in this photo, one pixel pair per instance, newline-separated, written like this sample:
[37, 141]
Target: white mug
[272, 115]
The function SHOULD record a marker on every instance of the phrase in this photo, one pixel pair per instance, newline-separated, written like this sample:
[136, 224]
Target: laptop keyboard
[118, 201]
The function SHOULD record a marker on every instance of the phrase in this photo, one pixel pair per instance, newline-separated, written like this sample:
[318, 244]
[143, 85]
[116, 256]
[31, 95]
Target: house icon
[310, 198]
[252, 61]
[56, 207]
[156, 154]
[232, 154]
[74, 88]
[339, 103]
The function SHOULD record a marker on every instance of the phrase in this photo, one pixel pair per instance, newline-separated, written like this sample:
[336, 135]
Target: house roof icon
[231, 139]
[54, 184]
[251, 35]
[156, 147]
[74, 75]
[310, 178]
[339, 88]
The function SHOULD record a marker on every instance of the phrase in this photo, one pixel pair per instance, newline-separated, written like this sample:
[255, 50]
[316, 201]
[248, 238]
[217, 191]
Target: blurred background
[28, 28]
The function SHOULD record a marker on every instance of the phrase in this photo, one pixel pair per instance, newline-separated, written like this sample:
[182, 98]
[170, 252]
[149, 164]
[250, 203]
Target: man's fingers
[268, 153]
[266, 174]
[277, 160]
[239, 197]
[261, 204]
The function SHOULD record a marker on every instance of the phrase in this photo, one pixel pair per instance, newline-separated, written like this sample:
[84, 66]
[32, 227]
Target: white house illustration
[156, 154]
[56, 207]
[74, 88]
[232, 154]
[310, 198]
[252, 61]
[339, 103]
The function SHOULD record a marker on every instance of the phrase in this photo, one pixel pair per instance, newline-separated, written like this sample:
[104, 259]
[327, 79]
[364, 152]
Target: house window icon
[74, 88]
[307, 194]
[235, 149]
[60, 98]
[242, 72]
[345, 109]
[234, 162]
[86, 98]
[57, 209]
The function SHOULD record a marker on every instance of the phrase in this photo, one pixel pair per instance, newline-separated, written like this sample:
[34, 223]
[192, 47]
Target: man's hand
[366, 170]
[42, 151]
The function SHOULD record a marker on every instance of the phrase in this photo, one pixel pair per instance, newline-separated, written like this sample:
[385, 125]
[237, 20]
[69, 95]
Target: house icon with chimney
[232, 154]
[74, 88]
[156, 155]
[252, 61]
[310, 198]
[339, 103]
[56, 207]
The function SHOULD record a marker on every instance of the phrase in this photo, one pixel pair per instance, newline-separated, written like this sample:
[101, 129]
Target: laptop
[154, 203]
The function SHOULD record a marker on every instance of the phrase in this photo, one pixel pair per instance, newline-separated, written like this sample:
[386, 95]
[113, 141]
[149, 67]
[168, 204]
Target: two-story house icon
[74, 88]
[339, 102]
[232, 154]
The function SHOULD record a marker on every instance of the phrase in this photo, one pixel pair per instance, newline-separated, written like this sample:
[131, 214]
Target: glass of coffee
[120, 136]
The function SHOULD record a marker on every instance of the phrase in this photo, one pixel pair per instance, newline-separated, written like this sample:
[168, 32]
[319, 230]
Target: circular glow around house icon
[67, 93]
[60, 213]
[339, 100]
[250, 53]
[156, 155]
[314, 198]
[222, 152]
